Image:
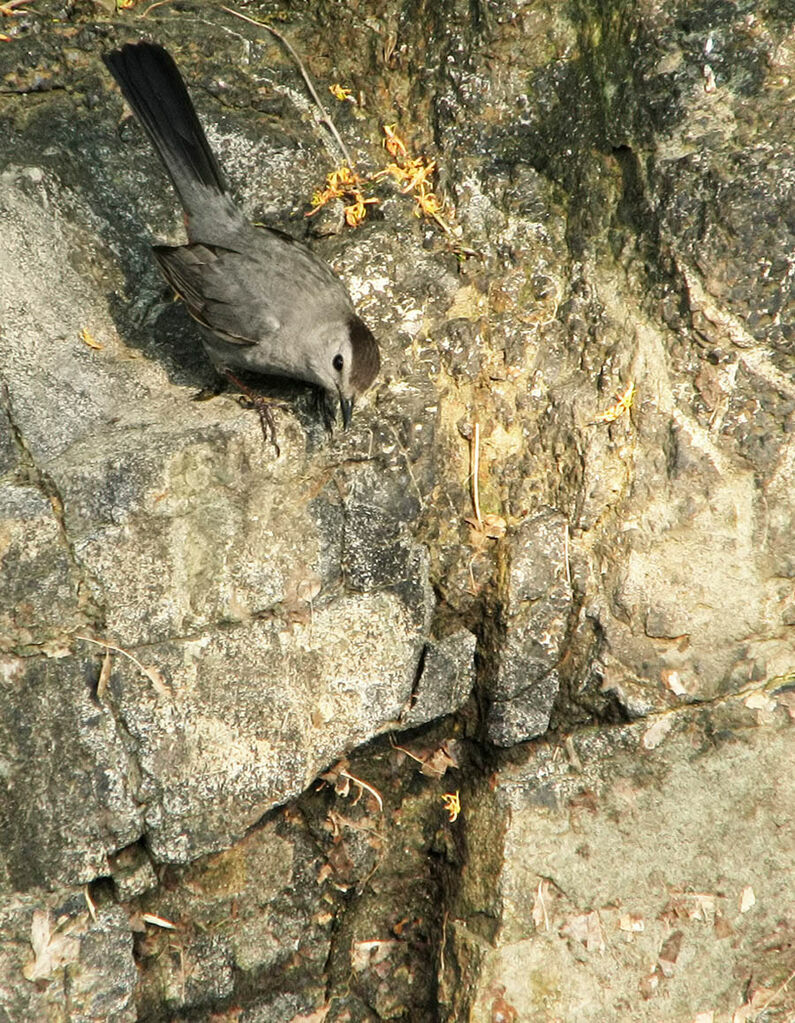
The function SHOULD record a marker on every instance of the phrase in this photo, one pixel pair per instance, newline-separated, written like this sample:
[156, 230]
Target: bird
[265, 302]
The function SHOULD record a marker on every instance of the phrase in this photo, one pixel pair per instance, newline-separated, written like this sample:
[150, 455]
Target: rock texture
[639, 872]
[479, 710]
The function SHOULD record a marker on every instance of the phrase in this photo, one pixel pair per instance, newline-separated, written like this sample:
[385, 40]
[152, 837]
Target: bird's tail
[153, 87]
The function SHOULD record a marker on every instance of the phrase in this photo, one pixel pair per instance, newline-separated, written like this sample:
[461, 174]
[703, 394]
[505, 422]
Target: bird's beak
[346, 408]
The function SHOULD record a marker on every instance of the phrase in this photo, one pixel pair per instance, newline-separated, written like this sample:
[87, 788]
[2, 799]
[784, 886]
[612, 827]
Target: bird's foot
[263, 406]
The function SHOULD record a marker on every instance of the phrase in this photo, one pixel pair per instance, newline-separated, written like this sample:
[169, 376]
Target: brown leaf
[366, 955]
[437, 763]
[723, 929]
[493, 527]
[669, 953]
[340, 860]
[502, 1011]
[104, 676]
[52, 947]
[587, 929]
[333, 772]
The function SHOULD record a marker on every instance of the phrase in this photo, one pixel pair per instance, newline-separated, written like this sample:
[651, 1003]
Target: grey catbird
[267, 303]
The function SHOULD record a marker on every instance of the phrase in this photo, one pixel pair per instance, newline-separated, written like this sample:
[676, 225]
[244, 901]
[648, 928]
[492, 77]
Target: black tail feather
[153, 87]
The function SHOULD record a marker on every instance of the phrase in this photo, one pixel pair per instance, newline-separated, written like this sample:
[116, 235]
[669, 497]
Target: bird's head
[352, 361]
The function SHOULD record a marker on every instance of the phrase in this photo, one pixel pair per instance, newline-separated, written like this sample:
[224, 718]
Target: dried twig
[92, 909]
[542, 903]
[475, 454]
[151, 7]
[442, 943]
[408, 752]
[363, 785]
[777, 992]
[158, 921]
[325, 118]
[9, 9]
[566, 551]
[152, 674]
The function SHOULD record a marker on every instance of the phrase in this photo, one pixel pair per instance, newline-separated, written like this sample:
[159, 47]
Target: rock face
[566, 507]
[627, 874]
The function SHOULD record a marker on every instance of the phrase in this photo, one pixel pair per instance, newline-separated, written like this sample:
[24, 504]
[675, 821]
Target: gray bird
[267, 303]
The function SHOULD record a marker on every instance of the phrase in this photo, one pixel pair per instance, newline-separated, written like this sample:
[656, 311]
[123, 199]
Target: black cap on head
[366, 357]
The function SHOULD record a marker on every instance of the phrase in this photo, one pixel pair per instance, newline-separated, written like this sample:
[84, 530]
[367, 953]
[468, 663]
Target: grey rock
[625, 221]
[50, 943]
[9, 452]
[38, 581]
[588, 857]
[183, 533]
[536, 603]
[132, 872]
[448, 675]
[70, 787]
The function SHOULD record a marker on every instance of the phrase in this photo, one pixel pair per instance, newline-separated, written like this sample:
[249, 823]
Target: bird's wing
[216, 286]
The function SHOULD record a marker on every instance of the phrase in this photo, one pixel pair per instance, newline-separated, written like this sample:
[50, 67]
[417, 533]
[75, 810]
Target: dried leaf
[572, 755]
[587, 929]
[621, 406]
[137, 925]
[703, 907]
[339, 92]
[158, 681]
[334, 772]
[747, 899]
[672, 680]
[341, 862]
[51, 948]
[307, 589]
[88, 339]
[436, 764]
[653, 736]
[104, 676]
[368, 954]
[493, 527]
[542, 898]
[649, 984]
[760, 701]
[632, 923]
[40, 931]
[452, 804]
[669, 953]
[92, 909]
[502, 1011]
[723, 929]
[318, 1016]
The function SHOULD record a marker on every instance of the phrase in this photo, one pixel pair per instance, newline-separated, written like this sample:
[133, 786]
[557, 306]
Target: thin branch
[408, 752]
[475, 449]
[777, 992]
[325, 118]
[152, 674]
[151, 7]
[566, 551]
[364, 785]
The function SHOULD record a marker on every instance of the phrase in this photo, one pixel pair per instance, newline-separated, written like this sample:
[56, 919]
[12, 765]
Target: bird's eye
[337, 362]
